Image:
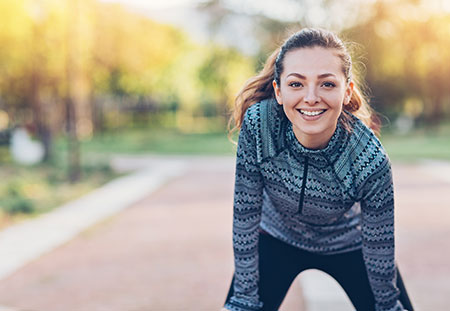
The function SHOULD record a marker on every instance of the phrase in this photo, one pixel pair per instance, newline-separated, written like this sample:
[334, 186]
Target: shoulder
[364, 140]
[362, 157]
[262, 112]
[266, 121]
[251, 123]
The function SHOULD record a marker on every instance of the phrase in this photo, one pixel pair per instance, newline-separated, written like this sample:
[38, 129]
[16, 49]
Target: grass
[139, 141]
[28, 191]
[414, 148]
[418, 144]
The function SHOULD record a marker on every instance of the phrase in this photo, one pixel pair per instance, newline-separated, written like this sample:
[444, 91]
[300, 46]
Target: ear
[348, 92]
[277, 92]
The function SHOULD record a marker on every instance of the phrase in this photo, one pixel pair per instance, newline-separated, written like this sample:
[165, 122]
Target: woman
[313, 184]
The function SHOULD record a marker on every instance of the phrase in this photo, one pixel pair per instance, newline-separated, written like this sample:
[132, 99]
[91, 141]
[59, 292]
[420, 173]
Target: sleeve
[246, 218]
[377, 207]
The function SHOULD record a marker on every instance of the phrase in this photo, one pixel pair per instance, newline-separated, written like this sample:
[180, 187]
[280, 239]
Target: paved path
[423, 233]
[24, 242]
[172, 250]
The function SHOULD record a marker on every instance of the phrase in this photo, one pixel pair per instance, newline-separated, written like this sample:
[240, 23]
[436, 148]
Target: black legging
[280, 263]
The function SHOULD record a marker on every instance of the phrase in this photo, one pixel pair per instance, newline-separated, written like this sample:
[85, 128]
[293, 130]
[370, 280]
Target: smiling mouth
[311, 113]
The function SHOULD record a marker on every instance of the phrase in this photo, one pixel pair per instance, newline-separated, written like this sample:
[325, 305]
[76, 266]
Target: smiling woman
[313, 187]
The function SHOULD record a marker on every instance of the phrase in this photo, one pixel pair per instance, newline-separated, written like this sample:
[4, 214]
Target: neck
[314, 141]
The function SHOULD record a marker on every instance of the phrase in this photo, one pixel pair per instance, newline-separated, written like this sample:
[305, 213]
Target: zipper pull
[302, 193]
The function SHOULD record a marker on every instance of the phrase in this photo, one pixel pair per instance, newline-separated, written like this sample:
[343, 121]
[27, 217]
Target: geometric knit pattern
[328, 201]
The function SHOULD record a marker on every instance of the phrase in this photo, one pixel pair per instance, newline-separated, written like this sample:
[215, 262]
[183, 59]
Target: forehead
[312, 61]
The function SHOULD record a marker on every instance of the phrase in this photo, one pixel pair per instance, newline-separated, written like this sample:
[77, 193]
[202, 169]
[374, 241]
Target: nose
[311, 96]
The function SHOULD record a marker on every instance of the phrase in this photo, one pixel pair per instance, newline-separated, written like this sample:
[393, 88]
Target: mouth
[311, 113]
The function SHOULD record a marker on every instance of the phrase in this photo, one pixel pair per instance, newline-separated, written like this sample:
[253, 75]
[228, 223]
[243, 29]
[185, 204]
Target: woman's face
[312, 91]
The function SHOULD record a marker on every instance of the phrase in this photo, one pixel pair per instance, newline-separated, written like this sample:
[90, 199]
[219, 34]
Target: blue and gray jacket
[328, 201]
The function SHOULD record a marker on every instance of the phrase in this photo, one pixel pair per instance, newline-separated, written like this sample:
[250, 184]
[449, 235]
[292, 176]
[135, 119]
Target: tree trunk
[73, 143]
[72, 70]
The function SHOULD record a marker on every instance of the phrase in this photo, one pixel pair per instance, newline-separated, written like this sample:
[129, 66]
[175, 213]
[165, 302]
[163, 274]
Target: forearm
[246, 218]
[379, 238]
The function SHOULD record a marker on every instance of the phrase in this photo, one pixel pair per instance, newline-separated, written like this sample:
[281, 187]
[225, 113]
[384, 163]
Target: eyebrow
[323, 75]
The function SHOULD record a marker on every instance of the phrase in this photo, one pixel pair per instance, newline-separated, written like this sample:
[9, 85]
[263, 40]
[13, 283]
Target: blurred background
[82, 79]
[85, 81]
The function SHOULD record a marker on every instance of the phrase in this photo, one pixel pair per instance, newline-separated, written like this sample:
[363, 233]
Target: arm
[377, 207]
[246, 219]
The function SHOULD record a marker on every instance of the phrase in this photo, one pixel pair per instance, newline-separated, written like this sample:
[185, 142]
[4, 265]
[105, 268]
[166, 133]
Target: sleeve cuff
[397, 307]
[235, 304]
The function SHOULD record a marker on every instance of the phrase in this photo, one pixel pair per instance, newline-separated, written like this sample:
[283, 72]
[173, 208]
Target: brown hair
[260, 87]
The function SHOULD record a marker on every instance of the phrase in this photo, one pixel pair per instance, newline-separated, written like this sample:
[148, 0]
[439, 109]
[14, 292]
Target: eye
[328, 84]
[295, 84]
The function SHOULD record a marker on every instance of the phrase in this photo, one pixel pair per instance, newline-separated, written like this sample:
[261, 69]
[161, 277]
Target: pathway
[172, 249]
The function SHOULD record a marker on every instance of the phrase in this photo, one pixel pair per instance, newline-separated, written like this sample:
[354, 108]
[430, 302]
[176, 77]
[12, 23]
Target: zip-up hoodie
[327, 201]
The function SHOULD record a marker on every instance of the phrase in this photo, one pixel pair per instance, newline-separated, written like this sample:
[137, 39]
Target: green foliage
[14, 201]
[5, 155]
[17, 205]
[56, 52]
[25, 190]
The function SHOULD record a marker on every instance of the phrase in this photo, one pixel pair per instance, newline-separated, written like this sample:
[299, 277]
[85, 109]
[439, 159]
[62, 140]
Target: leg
[349, 270]
[277, 269]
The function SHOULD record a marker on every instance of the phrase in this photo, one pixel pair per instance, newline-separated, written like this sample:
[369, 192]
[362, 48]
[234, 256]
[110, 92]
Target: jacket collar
[327, 155]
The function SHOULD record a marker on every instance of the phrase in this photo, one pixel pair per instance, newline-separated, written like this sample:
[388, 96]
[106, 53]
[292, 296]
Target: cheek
[335, 100]
[290, 98]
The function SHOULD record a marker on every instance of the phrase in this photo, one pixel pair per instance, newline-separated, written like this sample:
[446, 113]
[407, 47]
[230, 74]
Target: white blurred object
[404, 124]
[323, 292]
[23, 149]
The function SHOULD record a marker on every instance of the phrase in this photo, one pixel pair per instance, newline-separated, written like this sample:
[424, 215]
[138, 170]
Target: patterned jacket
[328, 201]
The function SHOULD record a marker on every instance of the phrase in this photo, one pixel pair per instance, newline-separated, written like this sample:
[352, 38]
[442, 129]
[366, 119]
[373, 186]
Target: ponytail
[254, 90]
[359, 107]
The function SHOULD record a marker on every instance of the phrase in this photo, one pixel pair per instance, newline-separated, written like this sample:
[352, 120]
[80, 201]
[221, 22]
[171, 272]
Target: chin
[313, 132]
[315, 129]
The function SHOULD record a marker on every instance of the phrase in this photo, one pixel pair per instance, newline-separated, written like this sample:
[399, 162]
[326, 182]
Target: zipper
[302, 193]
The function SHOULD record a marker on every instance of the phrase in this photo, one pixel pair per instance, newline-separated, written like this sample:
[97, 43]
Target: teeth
[311, 113]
